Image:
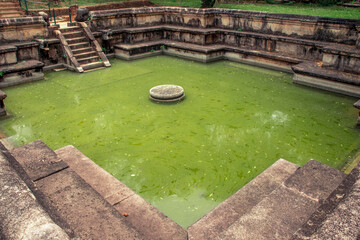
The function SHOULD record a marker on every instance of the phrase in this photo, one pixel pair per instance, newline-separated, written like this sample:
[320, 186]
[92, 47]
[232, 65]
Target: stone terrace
[279, 41]
[65, 195]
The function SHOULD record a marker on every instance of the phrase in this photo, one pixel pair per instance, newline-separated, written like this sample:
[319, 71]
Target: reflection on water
[184, 158]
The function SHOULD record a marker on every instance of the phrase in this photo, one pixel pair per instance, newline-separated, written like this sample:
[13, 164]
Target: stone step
[92, 65]
[86, 60]
[224, 215]
[169, 29]
[22, 217]
[74, 34]
[81, 50]
[14, 8]
[207, 53]
[8, 4]
[94, 69]
[84, 55]
[69, 29]
[309, 74]
[76, 202]
[145, 218]
[11, 16]
[81, 39]
[285, 210]
[2, 12]
[339, 215]
[79, 45]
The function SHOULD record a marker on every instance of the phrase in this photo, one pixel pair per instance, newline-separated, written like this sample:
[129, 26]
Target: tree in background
[207, 3]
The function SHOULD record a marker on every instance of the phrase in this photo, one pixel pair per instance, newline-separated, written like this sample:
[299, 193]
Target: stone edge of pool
[63, 192]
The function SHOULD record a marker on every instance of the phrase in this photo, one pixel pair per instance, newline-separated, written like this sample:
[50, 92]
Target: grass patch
[301, 9]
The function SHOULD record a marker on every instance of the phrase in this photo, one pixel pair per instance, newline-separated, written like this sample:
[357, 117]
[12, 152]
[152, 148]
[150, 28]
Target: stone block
[228, 212]
[276, 217]
[38, 160]
[149, 221]
[21, 215]
[89, 215]
[315, 180]
[103, 182]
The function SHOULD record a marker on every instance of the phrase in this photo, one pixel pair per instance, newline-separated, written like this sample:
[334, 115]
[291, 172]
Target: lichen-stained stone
[21, 215]
[38, 160]
[145, 218]
[241, 202]
[88, 214]
[166, 91]
[315, 180]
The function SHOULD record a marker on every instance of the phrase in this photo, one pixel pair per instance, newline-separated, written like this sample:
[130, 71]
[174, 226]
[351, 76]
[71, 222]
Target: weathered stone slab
[276, 217]
[84, 209]
[149, 221]
[104, 183]
[22, 66]
[21, 215]
[145, 218]
[38, 160]
[338, 217]
[224, 215]
[329, 74]
[315, 180]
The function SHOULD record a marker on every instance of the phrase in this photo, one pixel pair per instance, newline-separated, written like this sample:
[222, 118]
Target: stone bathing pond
[235, 121]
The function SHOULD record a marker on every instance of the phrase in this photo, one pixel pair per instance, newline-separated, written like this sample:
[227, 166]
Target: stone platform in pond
[167, 93]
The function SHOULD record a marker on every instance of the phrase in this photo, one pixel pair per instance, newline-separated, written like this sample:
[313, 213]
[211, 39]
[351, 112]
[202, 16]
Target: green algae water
[184, 158]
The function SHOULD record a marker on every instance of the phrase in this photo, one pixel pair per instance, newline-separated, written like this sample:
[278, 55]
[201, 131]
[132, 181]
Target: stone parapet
[22, 29]
[302, 26]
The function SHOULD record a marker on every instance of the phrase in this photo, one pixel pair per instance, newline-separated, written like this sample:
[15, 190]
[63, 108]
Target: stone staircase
[10, 9]
[82, 50]
[284, 202]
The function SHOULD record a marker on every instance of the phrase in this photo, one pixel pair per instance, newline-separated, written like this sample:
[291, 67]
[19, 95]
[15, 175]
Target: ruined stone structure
[62, 194]
[322, 52]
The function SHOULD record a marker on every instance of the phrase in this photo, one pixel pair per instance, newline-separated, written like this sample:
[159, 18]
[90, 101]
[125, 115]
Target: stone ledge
[241, 202]
[326, 46]
[132, 49]
[344, 223]
[21, 215]
[38, 160]
[311, 69]
[21, 21]
[21, 66]
[305, 18]
[142, 216]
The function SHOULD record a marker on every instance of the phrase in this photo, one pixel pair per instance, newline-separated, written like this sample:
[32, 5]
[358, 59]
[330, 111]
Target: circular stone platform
[167, 93]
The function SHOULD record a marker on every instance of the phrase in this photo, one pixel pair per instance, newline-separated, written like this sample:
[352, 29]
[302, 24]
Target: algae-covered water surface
[184, 158]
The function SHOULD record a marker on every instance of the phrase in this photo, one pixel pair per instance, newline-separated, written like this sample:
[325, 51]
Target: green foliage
[64, 56]
[162, 47]
[239, 29]
[1, 74]
[207, 3]
[152, 50]
[270, 1]
[328, 2]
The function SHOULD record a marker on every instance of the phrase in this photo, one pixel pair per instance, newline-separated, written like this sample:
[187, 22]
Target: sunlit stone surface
[167, 93]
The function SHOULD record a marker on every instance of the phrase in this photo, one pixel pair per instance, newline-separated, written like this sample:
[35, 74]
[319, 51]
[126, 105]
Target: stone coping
[7, 48]
[208, 49]
[21, 66]
[311, 69]
[207, 11]
[315, 222]
[21, 21]
[327, 47]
